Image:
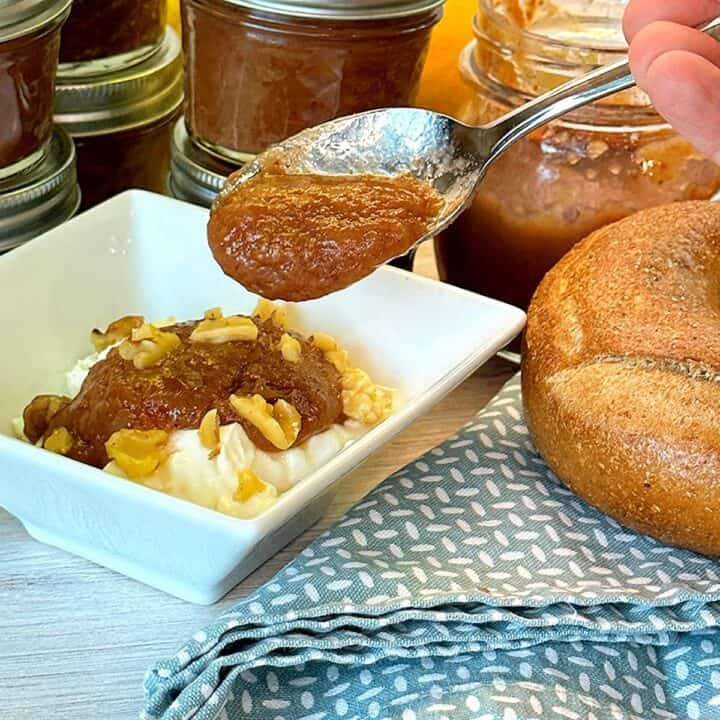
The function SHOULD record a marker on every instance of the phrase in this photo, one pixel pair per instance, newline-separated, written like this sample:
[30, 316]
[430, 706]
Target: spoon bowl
[448, 155]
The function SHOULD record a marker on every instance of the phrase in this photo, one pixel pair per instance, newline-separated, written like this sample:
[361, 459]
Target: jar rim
[492, 13]
[341, 9]
[125, 99]
[30, 201]
[611, 118]
[18, 19]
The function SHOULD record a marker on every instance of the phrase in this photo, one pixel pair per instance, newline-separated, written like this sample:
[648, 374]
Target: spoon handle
[593, 86]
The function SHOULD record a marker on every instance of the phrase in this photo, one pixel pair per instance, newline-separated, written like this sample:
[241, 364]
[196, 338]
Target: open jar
[29, 41]
[101, 37]
[258, 71]
[571, 177]
[122, 123]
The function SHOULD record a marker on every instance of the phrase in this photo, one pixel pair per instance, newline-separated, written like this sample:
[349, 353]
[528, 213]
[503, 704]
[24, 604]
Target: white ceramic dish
[146, 254]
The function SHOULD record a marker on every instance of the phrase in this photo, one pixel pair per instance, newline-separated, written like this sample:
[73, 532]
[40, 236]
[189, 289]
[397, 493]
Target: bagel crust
[621, 372]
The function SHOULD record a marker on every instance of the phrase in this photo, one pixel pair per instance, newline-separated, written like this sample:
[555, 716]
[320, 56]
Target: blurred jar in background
[258, 71]
[562, 182]
[29, 42]
[122, 123]
[102, 37]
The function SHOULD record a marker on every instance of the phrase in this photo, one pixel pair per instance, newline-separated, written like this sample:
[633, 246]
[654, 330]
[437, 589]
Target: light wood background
[76, 639]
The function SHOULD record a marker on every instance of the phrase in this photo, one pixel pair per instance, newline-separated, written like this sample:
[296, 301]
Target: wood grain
[76, 639]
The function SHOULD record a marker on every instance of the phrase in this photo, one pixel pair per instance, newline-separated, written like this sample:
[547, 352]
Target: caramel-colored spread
[181, 387]
[299, 237]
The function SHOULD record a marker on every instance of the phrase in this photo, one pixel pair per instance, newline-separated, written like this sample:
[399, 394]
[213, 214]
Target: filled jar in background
[258, 71]
[571, 177]
[29, 42]
[196, 176]
[122, 123]
[104, 36]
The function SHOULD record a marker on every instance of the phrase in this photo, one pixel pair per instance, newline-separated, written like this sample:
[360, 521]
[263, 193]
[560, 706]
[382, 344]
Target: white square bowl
[145, 254]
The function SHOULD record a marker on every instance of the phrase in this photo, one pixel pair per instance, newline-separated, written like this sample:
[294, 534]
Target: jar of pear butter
[571, 177]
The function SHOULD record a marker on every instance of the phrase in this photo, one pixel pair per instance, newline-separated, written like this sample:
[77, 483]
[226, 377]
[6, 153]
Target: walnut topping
[148, 346]
[280, 424]
[249, 484]
[290, 348]
[267, 310]
[38, 414]
[138, 452]
[216, 329]
[325, 342]
[209, 433]
[333, 352]
[363, 400]
[213, 313]
[165, 322]
[59, 441]
[116, 331]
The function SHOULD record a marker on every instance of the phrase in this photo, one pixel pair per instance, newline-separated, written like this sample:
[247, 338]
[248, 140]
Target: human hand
[678, 66]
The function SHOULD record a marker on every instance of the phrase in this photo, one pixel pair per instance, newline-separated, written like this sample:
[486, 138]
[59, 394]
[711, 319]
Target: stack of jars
[116, 93]
[38, 186]
[259, 71]
[119, 91]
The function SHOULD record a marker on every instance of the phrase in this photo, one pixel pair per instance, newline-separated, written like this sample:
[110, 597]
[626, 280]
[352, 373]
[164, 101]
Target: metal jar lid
[196, 176]
[128, 98]
[24, 17]
[342, 9]
[41, 198]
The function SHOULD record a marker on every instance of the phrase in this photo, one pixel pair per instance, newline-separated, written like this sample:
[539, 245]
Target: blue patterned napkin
[470, 584]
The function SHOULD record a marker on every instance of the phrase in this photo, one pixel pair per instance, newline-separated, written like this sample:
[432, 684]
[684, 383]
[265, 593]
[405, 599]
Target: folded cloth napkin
[470, 584]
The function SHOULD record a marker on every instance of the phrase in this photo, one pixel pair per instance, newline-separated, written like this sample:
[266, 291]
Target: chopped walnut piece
[326, 343]
[289, 420]
[209, 433]
[148, 346]
[216, 328]
[116, 330]
[165, 322]
[138, 452]
[363, 400]
[38, 414]
[290, 348]
[267, 310]
[249, 484]
[333, 352]
[213, 313]
[280, 424]
[59, 441]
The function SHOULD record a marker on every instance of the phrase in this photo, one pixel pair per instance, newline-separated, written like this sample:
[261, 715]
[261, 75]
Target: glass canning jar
[122, 123]
[42, 197]
[258, 71]
[100, 37]
[562, 182]
[29, 41]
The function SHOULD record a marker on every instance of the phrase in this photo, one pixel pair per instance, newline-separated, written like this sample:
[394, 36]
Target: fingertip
[660, 38]
[685, 89]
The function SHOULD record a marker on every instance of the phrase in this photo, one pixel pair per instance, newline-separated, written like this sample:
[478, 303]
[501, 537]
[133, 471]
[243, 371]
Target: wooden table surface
[76, 639]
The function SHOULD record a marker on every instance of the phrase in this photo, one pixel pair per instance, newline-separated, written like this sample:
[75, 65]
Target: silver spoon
[451, 156]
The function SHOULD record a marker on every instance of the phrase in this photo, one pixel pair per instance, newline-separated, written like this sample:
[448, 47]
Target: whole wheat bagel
[621, 372]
